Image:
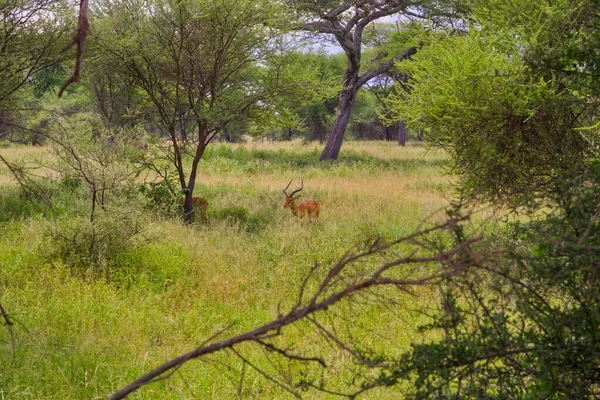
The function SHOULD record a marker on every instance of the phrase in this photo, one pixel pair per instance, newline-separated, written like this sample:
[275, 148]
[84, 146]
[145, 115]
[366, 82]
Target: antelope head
[289, 198]
[310, 207]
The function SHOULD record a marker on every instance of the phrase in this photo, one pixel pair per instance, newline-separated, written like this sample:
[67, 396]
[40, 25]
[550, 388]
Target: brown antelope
[198, 203]
[310, 207]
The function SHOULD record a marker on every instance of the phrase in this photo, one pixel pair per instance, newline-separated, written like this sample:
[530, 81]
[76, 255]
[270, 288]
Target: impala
[198, 202]
[310, 207]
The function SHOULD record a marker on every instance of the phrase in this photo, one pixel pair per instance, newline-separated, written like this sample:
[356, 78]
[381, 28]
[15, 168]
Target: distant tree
[116, 95]
[363, 123]
[317, 107]
[301, 85]
[346, 21]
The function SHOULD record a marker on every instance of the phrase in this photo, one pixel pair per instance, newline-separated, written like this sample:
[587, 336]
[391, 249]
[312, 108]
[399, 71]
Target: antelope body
[310, 207]
[198, 203]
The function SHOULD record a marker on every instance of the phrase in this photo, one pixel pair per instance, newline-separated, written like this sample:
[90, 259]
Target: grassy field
[78, 336]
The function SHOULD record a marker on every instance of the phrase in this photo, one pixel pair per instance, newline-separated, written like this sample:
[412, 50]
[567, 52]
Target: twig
[260, 371]
[7, 320]
[592, 223]
[285, 353]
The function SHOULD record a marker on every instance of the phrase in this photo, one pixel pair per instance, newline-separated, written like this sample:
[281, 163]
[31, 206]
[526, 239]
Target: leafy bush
[160, 198]
[95, 245]
[512, 101]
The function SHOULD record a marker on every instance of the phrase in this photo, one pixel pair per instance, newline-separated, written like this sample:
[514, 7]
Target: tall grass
[77, 336]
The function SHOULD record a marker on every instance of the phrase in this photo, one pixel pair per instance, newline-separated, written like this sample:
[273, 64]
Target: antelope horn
[297, 190]
[284, 190]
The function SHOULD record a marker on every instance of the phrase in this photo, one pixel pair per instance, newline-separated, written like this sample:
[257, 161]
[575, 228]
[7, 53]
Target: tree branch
[83, 27]
[367, 76]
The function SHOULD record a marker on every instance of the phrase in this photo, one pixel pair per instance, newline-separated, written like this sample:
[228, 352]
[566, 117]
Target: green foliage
[508, 130]
[526, 325]
[160, 198]
[30, 43]
[405, 36]
[221, 70]
[299, 80]
[97, 211]
[300, 88]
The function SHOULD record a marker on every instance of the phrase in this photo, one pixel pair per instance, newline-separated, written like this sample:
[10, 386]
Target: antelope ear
[297, 197]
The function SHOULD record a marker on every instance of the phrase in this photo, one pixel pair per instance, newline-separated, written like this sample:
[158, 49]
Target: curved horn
[297, 190]
[284, 190]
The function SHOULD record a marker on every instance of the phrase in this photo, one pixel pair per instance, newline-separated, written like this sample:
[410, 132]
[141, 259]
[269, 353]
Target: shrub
[95, 245]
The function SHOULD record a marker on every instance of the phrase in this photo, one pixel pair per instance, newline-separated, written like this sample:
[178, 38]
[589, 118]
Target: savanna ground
[79, 335]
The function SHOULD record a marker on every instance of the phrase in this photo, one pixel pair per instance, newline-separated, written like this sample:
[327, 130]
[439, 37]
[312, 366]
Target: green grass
[79, 335]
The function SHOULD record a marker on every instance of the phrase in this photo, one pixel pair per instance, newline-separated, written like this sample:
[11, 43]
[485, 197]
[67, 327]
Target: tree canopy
[509, 100]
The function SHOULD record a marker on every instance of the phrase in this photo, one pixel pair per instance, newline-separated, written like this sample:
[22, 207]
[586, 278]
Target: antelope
[310, 207]
[198, 202]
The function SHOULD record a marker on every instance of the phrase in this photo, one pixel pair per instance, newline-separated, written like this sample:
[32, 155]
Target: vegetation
[512, 124]
[403, 286]
[89, 330]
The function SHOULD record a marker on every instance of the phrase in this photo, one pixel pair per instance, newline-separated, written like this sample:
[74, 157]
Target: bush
[95, 245]
[160, 199]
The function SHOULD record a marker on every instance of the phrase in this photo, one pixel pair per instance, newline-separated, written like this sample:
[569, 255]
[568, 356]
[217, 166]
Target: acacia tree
[308, 87]
[346, 21]
[194, 61]
[510, 110]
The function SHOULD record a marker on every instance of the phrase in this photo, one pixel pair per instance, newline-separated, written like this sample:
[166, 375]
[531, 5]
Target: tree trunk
[350, 86]
[388, 135]
[182, 130]
[203, 139]
[402, 133]
[187, 208]
[336, 137]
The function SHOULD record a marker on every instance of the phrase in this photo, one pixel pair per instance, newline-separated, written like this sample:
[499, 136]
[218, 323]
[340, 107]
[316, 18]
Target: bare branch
[449, 261]
[287, 354]
[83, 27]
[4, 314]
[367, 76]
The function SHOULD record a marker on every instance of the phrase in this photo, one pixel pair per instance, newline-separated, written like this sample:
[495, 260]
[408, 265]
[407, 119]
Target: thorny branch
[333, 289]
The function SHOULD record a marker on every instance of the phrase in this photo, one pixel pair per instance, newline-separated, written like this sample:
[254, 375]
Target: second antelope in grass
[200, 204]
[310, 207]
